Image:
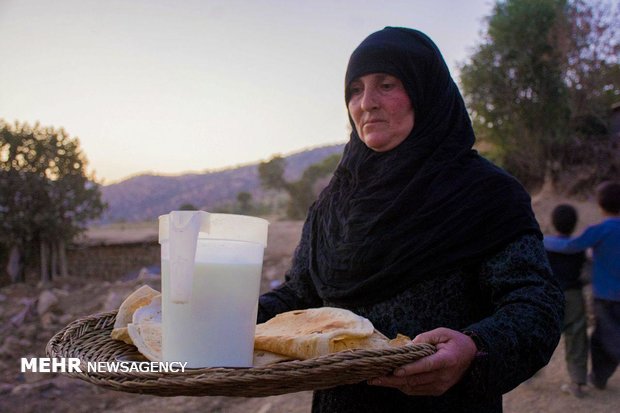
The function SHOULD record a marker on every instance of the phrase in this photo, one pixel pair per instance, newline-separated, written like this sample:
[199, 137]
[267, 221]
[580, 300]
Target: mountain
[145, 197]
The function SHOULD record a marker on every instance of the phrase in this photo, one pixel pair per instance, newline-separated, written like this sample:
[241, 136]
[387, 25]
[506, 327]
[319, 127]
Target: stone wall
[117, 253]
[112, 262]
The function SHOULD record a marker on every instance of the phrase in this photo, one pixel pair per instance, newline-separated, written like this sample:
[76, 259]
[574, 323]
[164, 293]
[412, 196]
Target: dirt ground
[30, 315]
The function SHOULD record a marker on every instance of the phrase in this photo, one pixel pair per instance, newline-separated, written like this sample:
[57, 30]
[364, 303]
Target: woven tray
[88, 339]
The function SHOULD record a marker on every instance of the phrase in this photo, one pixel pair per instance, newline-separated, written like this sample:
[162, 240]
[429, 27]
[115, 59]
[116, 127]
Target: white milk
[216, 327]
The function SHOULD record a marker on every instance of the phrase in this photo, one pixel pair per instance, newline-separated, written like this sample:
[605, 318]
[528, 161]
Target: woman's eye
[387, 86]
[355, 90]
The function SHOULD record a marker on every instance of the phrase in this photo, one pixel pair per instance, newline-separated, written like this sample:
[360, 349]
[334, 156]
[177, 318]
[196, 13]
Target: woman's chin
[380, 143]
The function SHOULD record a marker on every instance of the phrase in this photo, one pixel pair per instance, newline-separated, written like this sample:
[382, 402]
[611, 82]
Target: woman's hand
[434, 375]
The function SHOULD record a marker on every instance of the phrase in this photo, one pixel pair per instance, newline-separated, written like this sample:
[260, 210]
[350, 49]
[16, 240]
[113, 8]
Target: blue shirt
[604, 239]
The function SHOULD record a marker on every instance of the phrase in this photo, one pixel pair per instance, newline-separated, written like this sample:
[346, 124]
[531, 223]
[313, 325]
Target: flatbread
[376, 341]
[147, 339]
[301, 334]
[150, 313]
[139, 298]
[146, 336]
[400, 340]
[265, 358]
[304, 334]
[121, 334]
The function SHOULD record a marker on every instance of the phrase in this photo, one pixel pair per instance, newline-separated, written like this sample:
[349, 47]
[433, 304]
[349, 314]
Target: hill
[144, 197]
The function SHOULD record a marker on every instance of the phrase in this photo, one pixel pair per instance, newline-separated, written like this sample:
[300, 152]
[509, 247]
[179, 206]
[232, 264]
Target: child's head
[564, 219]
[608, 197]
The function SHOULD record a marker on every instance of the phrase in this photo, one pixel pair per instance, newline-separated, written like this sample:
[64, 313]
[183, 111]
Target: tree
[513, 85]
[46, 197]
[302, 192]
[593, 70]
[526, 84]
[245, 202]
[20, 215]
[271, 173]
[188, 207]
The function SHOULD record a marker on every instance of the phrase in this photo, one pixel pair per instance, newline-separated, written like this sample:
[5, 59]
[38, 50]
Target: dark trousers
[605, 341]
[576, 336]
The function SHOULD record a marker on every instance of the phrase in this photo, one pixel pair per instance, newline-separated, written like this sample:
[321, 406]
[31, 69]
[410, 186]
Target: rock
[32, 387]
[47, 300]
[48, 321]
[27, 308]
[271, 273]
[66, 319]
[265, 408]
[67, 383]
[11, 345]
[113, 301]
[44, 285]
[143, 273]
[29, 331]
[33, 377]
[25, 343]
[28, 355]
[5, 388]
[59, 292]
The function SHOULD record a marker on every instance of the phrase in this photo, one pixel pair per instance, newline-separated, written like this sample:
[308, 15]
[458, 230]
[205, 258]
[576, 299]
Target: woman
[422, 236]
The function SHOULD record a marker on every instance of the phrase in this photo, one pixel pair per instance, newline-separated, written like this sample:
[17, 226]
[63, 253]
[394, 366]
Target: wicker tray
[88, 339]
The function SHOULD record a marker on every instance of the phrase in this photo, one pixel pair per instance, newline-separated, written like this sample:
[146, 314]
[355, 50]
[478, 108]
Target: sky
[176, 86]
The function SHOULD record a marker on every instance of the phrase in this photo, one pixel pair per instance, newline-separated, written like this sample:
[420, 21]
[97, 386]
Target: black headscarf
[388, 220]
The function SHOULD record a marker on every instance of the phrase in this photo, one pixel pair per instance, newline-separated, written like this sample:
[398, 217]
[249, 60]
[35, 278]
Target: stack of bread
[294, 335]
[138, 322]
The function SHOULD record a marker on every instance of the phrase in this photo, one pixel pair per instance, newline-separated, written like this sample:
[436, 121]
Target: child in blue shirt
[568, 267]
[604, 240]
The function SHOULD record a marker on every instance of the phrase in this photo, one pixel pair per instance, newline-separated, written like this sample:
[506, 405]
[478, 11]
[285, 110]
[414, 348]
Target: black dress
[513, 295]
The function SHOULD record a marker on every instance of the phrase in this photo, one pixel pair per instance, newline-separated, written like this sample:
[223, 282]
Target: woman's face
[381, 110]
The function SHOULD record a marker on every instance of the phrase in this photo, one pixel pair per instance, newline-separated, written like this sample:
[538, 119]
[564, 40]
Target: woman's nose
[369, 100]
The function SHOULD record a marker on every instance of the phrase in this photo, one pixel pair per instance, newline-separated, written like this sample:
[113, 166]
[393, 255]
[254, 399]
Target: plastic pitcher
[211, 270]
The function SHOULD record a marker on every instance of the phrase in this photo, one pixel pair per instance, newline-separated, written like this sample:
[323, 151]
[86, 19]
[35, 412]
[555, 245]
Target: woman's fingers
[430, 363]
[435, 374]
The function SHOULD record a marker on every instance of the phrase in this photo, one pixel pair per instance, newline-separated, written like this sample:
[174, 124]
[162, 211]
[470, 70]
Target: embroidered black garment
[388, 220]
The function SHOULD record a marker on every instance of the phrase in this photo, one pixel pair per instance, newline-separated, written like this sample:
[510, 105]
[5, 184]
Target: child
[604, 239]
[567, 267]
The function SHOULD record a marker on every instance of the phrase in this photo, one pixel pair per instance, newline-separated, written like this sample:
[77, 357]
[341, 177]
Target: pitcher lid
[231, 227]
